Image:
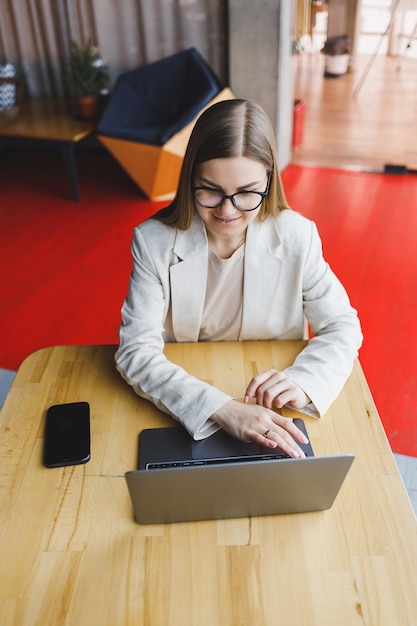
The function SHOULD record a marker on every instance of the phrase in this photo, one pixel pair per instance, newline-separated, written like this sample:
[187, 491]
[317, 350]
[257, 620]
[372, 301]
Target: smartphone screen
[67, 434]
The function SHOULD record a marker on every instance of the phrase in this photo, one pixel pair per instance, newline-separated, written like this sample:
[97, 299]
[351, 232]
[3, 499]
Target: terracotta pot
[88, 107]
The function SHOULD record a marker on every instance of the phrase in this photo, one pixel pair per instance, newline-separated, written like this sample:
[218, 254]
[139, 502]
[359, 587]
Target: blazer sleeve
[140, 358]
[323, 367]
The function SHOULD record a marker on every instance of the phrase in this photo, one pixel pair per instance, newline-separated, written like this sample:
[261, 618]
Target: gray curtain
[35, 35]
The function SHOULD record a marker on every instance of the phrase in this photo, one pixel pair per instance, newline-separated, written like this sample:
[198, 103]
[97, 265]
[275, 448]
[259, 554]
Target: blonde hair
[231, 128]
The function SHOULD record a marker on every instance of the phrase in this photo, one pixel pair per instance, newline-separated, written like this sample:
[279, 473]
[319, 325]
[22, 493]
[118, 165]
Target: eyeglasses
[210, 198]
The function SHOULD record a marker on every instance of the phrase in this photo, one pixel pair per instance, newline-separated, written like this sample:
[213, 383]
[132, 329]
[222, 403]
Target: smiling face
[226, 224]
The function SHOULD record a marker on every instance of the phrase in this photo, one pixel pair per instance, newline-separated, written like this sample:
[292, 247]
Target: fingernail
[246, 399]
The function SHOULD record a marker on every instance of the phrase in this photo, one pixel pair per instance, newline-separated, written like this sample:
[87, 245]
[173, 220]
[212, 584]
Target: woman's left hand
[273, 389]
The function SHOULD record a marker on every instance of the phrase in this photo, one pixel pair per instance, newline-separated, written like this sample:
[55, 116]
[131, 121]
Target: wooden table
[47, 123]
[71, 552]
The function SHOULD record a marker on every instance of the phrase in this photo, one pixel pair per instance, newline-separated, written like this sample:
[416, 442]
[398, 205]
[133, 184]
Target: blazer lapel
[188, 281]
[263, 271]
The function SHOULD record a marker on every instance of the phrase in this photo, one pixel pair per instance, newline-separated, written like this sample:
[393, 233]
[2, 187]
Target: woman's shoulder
[290, 219]
[288, 231]
[290, 225]
[154, 233]
[158, 236]
[153, 225]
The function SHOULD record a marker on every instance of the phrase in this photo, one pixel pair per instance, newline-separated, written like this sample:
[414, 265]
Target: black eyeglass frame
[263, 195]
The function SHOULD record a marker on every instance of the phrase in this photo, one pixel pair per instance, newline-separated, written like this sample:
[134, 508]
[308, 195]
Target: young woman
[229, 260]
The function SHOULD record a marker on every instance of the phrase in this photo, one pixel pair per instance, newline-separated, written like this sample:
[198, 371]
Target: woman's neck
[225, 247]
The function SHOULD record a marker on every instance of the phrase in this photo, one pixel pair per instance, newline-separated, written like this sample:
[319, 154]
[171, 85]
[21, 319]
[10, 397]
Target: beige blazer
[286, 282]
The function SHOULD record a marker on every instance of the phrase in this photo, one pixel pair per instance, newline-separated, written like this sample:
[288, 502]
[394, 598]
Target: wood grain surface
[45, 118]
[71, 552]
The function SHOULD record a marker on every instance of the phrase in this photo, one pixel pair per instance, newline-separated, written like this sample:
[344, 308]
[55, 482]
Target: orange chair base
[153, 169]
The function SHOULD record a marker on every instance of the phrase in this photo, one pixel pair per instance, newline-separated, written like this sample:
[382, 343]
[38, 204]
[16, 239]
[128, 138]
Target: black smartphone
[67, 434]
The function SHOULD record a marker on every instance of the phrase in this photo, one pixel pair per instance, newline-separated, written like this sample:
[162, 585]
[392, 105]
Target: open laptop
[181, 480]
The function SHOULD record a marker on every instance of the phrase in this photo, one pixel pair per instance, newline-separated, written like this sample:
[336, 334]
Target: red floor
[65, 265]
[368, 224]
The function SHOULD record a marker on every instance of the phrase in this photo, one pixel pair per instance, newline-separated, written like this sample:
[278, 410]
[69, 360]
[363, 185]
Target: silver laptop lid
[206, 492]
[234, 489]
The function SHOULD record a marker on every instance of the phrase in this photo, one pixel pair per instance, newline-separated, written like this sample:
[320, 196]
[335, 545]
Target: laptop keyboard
[217, 461]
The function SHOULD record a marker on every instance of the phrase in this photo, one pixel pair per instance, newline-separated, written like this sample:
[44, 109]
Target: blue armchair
[150, 114]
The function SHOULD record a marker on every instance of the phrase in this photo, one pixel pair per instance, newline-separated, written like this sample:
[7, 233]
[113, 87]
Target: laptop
[182, 480]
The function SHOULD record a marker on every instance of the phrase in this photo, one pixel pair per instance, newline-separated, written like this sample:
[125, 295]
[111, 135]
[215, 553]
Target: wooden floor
[364, 119]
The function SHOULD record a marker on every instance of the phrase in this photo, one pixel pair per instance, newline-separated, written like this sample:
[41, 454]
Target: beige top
[222, 314]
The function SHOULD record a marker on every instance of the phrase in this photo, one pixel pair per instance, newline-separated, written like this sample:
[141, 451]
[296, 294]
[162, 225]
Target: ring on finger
[266, 433]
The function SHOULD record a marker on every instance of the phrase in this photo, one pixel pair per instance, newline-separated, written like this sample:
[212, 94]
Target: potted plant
[87, 76]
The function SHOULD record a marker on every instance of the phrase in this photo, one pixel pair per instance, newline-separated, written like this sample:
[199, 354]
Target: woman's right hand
[255, 423]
